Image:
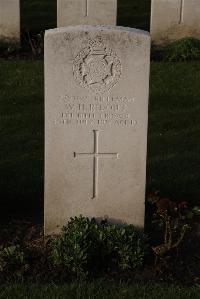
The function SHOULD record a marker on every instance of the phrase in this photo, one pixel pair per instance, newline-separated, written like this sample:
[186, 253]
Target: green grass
[21, 134]
[37, 15]
[173, 139]
[98, 290]
[173, 147]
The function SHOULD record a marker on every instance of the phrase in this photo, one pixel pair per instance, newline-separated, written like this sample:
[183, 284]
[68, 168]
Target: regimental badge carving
[97, 67]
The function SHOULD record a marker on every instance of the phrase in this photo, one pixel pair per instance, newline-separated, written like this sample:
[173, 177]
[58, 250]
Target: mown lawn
[173, 138]
[174, 130]
[39, 15]
[21, 135]
[98, 290]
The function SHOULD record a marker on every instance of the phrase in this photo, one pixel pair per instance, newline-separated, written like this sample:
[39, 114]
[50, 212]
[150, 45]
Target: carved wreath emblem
[97, 67]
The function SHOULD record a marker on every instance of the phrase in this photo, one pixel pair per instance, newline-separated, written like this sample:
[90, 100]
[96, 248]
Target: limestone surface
[10, 20]
[86, 12]
[174, 19]
[96, 112]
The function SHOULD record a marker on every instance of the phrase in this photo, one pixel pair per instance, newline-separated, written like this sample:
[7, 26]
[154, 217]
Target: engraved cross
[96, 155]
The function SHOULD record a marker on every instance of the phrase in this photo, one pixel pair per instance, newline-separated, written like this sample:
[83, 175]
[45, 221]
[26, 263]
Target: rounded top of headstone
[93, 28]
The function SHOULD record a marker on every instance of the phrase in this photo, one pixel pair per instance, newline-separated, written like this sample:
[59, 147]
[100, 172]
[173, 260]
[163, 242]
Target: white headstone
[174, 19]
[10, 20]
[96, 111]
[86, 12]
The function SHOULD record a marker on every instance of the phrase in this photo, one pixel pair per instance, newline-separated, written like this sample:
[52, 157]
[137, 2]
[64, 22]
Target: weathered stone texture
[96, 111]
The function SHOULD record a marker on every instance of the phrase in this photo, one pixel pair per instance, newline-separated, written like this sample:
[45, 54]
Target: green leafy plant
[85, 246]
[186, 49]
[125, 245]
[182, 50]
[12, 262]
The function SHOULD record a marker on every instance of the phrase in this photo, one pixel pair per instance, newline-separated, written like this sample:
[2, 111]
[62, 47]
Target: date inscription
[106, 111]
